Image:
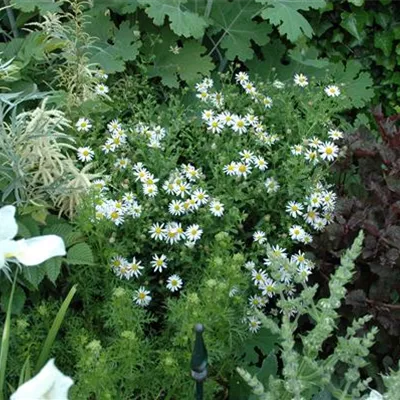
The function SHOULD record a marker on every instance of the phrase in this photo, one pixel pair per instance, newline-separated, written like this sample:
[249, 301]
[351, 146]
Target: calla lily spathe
[49, 384]
[27, 251]
[374, 395]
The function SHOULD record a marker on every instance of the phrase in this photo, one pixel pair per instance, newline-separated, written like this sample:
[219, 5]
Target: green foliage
[304, 373]
[286, 16]
[183, 22]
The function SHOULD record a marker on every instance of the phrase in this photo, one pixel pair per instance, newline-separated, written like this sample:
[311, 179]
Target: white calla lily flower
[374, 395]
[49, 383]
[27, 251]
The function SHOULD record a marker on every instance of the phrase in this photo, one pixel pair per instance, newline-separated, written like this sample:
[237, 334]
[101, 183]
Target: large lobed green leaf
[235, 20]
[188, 65]
[286, 16]
[182, 21]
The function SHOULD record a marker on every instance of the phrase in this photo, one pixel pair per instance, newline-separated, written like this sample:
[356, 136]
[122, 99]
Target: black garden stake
[199, 361]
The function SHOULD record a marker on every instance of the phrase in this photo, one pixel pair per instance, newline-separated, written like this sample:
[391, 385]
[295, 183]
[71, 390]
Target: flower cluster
[248, 160]
[153, 134]
[280, 275]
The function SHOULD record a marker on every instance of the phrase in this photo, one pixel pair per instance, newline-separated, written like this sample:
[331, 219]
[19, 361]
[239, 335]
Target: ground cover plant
[178, 197]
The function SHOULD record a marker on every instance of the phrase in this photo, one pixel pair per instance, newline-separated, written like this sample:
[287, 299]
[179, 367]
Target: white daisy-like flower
[332, 91]
[259, 237]
[142, 297]
[121, 163]
[182, 189]
[207, 115]
[296, 232]
[135, 268]
[217, 208]
[102, 89]
[294, 209]
[100, 185]
[83, 125]
[314, 142]
[299, 258]
[100, 74]
[319, 224]
[117, 262]
[114, 126]
[258, 277]
[255, 302]
[243, 169]
[85, 154]
[300, 80]
[254, 324]
[217, 99]
[208, 83]
[200, 196]
[129, 198]
[314, 199]
[159, 262]
[268, 288]
[135, 210]
[260, 163]
[278, 252]
[176, 207]
[225, 118]
[304, 271]
[241, 77]
[203, 96]
[335, 134]
[307, 239]
[141, 174]
[249, 88]
[230, 169]
[157, 231]
[150, 190]
[297, 149]
[193, 232]
[174, 233]
[239, 124]
[214, 125]
[267, 101]
[116, 215]
[169, 187]
[108, 147]
[246, 156]
[174, 283]
[311, 215]
[311, 156]
[115, 140]
[272, 185]
[251, 119]
[190, 205]
[328, 151]
[328, 200]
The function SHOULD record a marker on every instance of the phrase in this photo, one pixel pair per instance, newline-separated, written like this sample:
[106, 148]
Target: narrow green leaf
[5, 340]
[25, 374]
[44, 354]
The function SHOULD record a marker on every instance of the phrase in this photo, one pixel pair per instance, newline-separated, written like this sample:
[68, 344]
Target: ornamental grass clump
[35, 165]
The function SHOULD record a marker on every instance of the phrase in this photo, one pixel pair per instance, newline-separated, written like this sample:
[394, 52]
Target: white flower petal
[36, 250]
[374, 395]
[8, 225]
[49, 383]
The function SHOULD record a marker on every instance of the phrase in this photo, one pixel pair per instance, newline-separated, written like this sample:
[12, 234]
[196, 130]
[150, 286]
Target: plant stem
[207, 11]
[11, 19]
[5, 340]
